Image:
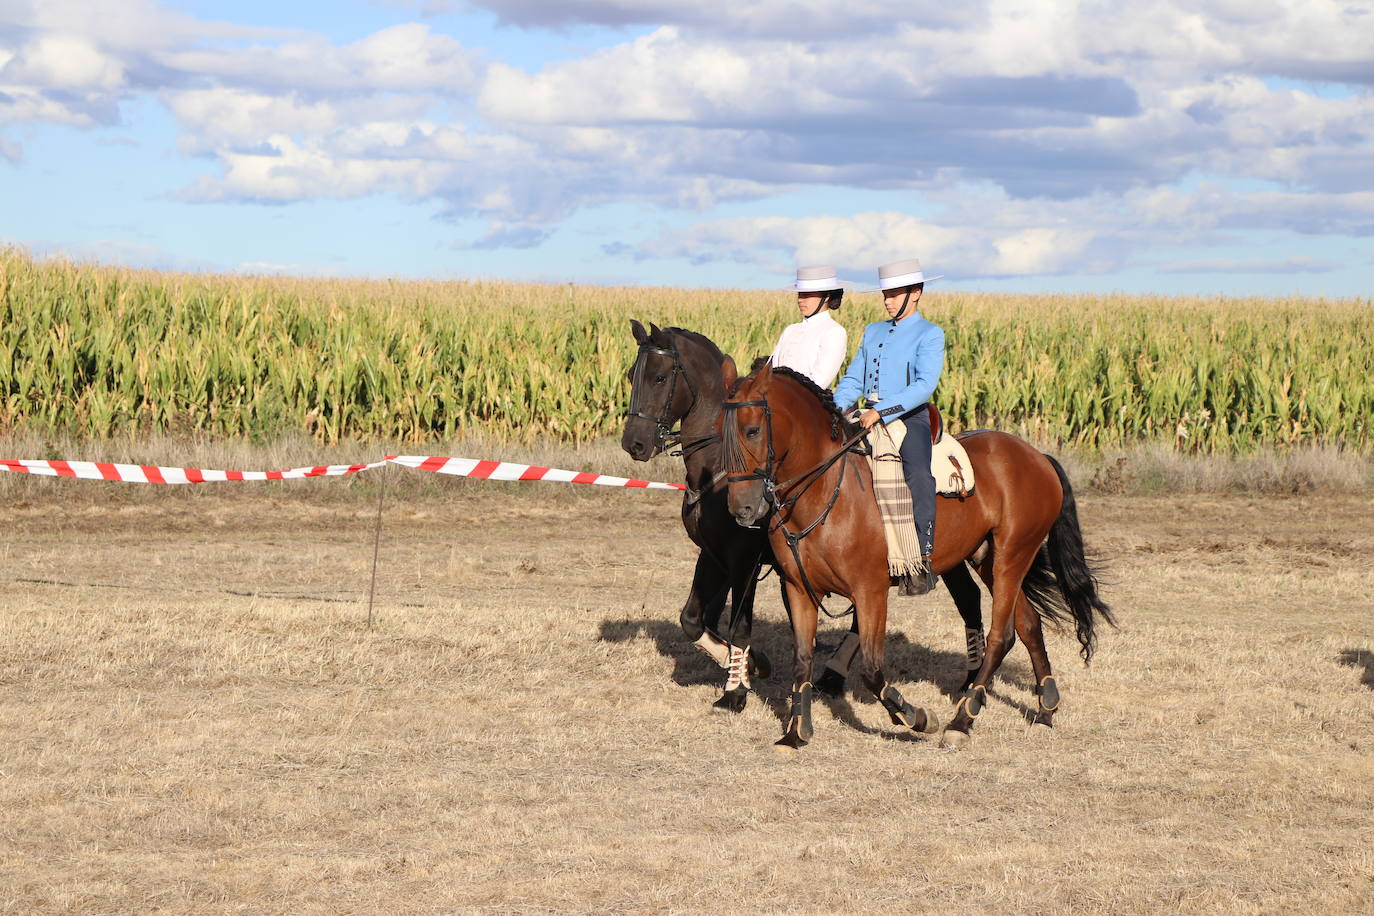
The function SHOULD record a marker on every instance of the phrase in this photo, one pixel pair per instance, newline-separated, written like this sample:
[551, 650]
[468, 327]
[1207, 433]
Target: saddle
[949, 463]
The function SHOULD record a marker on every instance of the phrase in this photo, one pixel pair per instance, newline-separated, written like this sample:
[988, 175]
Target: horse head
[749, 437]
[775, 422]
[678, 376]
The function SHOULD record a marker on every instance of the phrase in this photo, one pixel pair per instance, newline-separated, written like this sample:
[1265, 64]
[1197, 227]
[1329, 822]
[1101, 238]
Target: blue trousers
[915, 453]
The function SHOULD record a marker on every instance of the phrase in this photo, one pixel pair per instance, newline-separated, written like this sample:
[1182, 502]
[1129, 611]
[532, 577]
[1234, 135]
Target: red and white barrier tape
[457, 467]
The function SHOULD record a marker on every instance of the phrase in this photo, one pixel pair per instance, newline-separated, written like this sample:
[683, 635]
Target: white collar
[825, 314]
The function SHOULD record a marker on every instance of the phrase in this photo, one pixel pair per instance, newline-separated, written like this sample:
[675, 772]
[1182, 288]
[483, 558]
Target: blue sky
[1179, 147]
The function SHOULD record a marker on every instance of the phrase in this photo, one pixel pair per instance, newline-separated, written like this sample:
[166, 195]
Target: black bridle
[778, 496]
[665, 436]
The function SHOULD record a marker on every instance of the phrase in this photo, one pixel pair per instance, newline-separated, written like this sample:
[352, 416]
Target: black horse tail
[1062, 582]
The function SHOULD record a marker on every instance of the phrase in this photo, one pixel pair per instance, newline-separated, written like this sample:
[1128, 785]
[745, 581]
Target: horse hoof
[759, 665]
[831, 684]
[789, 744]
[732, 701]
[954, 740]
[1041, 730]
[932, 723]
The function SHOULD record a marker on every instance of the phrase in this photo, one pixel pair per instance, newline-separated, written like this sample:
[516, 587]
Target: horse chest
[707, 520]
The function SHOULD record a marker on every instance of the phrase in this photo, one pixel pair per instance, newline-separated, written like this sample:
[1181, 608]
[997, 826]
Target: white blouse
[815, 347]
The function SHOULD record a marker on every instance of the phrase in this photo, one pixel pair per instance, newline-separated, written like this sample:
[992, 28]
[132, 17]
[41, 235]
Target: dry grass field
[196, 719]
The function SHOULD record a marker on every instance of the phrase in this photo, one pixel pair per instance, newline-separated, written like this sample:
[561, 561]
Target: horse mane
[823, 395]
[701, 340]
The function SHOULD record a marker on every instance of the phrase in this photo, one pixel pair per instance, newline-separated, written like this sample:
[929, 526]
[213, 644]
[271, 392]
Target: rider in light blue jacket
[894, 375]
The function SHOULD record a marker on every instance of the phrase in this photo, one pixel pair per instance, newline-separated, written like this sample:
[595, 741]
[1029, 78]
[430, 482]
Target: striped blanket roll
[894, 500]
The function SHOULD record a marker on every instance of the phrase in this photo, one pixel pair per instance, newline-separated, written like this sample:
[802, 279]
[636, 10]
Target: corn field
[95, 352]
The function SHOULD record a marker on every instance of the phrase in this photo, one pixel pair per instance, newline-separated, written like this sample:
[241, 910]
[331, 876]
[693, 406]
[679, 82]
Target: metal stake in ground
[376, 548]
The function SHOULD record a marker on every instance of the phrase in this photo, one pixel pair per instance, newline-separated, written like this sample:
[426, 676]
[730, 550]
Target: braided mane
[839, 425]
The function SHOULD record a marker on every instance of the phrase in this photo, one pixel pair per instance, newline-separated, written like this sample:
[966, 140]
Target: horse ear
[729, 374]
[763, 378]
[641, 335]
[657, 337]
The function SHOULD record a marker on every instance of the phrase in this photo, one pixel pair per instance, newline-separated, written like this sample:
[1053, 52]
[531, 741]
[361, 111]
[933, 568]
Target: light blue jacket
[899, 361]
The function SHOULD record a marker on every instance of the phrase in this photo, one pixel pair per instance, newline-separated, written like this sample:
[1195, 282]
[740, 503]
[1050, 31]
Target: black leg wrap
[799, 718]
[831, 684]
[1048, 692]
[968, 680]
[900, 711]
[732, 700]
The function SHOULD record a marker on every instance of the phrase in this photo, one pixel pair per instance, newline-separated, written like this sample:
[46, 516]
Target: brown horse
[786, 449]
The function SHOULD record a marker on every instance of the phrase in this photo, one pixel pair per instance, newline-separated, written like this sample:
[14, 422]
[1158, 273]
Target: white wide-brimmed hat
[817, 280]
[902, 273]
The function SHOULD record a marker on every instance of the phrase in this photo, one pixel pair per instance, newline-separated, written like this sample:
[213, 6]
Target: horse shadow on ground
[1360, 658]
[904, 661]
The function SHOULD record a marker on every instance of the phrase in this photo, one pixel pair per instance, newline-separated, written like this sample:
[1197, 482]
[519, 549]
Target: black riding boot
[915, 452]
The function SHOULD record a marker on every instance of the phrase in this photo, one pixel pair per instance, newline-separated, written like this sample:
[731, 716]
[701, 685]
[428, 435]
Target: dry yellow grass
[196, 721]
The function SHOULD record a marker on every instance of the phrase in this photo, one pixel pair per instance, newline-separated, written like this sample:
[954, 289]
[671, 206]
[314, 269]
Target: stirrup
[915, 584]
[919, 583]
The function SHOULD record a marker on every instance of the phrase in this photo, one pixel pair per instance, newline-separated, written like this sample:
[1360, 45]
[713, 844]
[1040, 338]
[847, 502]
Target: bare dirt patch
[196, 719]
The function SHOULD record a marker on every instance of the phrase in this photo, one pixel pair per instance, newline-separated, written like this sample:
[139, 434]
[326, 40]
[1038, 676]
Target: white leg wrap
[739, 669]
[713, 647]
[974, 642]
[844, 655]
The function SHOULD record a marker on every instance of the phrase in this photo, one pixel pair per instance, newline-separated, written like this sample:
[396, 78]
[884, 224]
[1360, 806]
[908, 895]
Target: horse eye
[752, 432]
[660, 380]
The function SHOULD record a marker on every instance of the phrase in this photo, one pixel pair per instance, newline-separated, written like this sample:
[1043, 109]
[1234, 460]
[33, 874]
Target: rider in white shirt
[815, 346]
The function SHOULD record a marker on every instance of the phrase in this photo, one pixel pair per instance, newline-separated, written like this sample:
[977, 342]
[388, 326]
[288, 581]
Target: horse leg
[969, 600]
[802, 611]
[1009, 566]
[870, 614]
[741, 661]
[831, 682]
[1046, 690]
[701, 613]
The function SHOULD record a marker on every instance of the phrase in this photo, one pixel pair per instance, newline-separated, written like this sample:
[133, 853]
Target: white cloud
[1048, 134]
[804, 20]
[1297, 265]
[987, 234]
[64, 61]
[401, 58]
[944, 245]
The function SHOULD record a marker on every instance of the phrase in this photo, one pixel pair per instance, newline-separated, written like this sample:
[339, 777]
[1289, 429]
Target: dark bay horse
[784, 443]
[678, 377]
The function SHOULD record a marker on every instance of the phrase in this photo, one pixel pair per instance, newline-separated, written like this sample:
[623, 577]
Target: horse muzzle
[639, 444]
[638, 449]
[748, 516]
